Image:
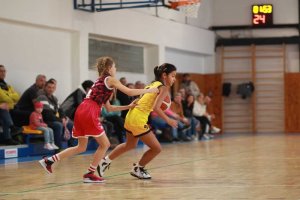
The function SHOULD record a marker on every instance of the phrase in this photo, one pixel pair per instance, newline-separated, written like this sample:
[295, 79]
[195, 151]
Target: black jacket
[71, 103]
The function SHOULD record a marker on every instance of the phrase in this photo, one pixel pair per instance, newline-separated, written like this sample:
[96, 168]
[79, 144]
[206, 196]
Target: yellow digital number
[255, 9]
[265, 9]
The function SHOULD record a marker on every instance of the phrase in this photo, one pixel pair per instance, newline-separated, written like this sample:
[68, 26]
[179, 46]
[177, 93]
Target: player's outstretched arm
[112, 108]
[112, 82]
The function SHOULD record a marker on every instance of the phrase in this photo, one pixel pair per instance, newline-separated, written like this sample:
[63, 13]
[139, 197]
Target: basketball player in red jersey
[86, 121]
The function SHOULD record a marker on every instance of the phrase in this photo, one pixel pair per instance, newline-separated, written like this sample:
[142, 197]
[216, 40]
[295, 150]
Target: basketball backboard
[107, 5]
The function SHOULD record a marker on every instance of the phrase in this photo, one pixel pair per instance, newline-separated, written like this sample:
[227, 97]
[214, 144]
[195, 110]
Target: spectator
[115, 118]
[179, 133]
[190, 86]
[25, 105]
[125, 99]
[188, 105]
[7, 93]
[213, 129]
[183, 94]
[71, 103]
[53, 116]
[199, 112]
[37, 123]
[6, 122]
[8, 99]
[139, 85]
[176, 107]
[109, 130]
[123, 80]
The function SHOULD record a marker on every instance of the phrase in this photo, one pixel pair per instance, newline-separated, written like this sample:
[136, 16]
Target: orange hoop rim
[177, 3]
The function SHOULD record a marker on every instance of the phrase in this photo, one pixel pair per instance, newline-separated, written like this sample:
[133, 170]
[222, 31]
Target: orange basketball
[166, 103]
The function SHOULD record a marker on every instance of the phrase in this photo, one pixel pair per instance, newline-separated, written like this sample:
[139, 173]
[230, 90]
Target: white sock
[138, 165]
[54, 158]
[107, 159]
[206, 129]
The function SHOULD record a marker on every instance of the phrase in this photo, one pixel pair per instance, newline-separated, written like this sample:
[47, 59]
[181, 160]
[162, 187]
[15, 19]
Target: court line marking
[111, 176]
[126, 173]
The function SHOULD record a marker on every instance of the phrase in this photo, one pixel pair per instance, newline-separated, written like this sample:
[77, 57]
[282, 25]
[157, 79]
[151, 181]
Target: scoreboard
[262, 14]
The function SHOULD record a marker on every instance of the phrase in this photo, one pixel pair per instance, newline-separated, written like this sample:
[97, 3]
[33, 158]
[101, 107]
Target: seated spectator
[125, 99]
[190, 86]
[115, 118]
[213, 129]
[123, 80]
[138, 85]
[52, 115]
[179, 133]
[8, 99]
[71, 103]
[37, 123]
[25, 107]
[188, 106]
[176, 107]
[199, 112]
[6, 123]
[163, 131]
[183, 94]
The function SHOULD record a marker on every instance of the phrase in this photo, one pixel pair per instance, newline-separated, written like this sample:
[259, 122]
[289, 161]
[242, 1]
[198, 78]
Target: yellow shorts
[136, 122]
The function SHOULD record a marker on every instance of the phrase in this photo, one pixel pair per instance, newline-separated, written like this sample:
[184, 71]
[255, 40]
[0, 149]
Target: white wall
[28, 50]
[186, 61]
[54, 38]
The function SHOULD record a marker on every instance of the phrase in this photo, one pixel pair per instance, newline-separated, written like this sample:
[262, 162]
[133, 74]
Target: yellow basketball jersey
[137, 117]
[146, 101]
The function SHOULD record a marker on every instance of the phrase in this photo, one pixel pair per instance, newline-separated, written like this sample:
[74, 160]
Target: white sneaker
[102, 167]
[46, 164]
[139, 172]
[48, 146]
[54, 146]
[206, 136]
[215, 130]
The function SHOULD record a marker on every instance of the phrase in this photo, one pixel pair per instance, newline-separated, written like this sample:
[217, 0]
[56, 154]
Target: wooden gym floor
[233, 166]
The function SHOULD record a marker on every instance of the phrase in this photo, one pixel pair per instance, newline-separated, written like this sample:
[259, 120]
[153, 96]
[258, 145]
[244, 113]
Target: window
[128, 58]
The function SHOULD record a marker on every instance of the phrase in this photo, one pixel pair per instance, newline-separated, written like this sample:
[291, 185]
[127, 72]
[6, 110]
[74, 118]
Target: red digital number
[259, 19]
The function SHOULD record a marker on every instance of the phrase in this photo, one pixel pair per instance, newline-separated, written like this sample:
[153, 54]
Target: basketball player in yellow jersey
[136, 123]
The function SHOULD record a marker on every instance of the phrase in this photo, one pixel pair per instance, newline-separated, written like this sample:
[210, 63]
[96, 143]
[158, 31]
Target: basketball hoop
[189, 8]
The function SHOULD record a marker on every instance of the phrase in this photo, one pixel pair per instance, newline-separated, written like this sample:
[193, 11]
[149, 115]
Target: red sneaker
[92, 178]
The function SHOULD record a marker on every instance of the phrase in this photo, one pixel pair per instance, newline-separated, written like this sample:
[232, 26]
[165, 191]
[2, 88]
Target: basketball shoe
[92, 178]
[215, 130]
[139, 172]
[102, 167]
[46, 164]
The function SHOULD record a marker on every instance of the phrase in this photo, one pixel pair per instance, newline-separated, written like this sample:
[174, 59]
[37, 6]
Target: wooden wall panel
[292, 102]
[264, 66]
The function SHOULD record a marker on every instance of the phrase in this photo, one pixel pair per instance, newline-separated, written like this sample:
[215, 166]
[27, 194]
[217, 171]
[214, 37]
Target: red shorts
[87, 120]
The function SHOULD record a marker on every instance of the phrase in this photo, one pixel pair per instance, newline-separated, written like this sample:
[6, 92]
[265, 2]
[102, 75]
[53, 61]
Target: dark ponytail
[164, 68]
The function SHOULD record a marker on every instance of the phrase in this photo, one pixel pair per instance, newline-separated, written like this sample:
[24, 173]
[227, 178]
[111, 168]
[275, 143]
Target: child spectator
[37, 123]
